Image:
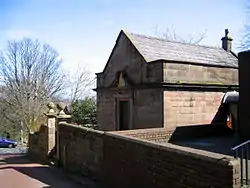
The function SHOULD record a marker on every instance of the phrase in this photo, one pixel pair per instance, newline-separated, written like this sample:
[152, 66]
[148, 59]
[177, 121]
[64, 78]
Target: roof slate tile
[153, 49]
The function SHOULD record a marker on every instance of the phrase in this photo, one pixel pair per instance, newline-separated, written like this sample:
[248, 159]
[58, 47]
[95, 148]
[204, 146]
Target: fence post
[60, 118]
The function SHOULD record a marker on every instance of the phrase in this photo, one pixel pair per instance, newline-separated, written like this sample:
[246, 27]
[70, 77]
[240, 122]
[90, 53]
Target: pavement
[16, 170]
[222, 145]
[17, 150]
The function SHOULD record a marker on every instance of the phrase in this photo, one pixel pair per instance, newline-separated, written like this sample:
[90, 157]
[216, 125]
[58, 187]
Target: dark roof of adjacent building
[153, 49]
[230, 97]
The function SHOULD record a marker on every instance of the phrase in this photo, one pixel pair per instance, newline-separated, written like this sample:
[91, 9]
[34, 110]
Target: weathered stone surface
[142, 158]
[39, 143]
[159, 135]
[142, 164]
[190, 108]
[146, 108]
[149, 107]
[106, 119]
[80, 150]
[124, 57]
[186, 73]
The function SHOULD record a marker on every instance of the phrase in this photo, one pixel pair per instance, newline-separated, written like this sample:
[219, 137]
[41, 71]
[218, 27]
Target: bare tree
[30, 76]
[81, 84]
[170, 34]
[245, 39]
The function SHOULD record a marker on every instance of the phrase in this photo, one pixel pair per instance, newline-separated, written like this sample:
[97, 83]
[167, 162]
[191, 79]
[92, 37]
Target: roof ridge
[167, 40]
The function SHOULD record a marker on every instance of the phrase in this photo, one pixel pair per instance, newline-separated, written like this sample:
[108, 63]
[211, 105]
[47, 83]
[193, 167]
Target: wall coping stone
[98, 132]
[201, 154]
[220, 159]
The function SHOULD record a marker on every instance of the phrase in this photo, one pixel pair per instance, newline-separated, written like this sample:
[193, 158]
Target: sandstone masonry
[163, 92]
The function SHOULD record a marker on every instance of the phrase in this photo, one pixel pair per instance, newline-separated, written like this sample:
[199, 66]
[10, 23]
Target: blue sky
[84, 31]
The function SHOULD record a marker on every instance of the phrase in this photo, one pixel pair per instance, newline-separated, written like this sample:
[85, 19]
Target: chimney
[227, 41]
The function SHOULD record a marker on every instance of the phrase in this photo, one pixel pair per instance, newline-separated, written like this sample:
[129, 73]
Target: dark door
[124, 115]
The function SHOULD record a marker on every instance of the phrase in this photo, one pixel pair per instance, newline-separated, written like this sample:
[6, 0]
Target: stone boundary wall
[134, 163]
[80, 150]
[159, 135]
[120, 161]
[38, 144]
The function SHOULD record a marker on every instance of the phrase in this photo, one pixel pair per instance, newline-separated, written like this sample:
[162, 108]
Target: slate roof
[153, 49]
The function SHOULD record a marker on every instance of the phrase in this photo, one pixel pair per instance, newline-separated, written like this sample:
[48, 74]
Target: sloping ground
[18, 171]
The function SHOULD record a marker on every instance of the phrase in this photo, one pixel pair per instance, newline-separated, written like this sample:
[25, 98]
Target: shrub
[84, 111]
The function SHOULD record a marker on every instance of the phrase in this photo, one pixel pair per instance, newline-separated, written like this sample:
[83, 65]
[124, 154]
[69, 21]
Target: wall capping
[220, 158]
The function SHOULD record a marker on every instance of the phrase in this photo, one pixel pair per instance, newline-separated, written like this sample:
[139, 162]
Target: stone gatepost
[61, 118]
[51, 125]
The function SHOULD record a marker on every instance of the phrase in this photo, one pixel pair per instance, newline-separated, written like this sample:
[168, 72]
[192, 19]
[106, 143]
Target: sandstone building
[151, 82]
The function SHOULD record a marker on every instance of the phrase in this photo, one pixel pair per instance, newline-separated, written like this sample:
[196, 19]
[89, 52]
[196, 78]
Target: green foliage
[84, 111]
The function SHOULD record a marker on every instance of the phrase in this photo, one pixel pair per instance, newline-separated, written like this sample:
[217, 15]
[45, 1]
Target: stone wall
[148, 108]
[126, 57]
[151, 110]
[190, 108]
[38, 144]
[132, 163]
[186, 73]
[106, 119]
[42, 144]
[180, 133]
[117, 160]
[186, 133]
[80, 150]
[154, 72]
[158, 135]
[123, 57]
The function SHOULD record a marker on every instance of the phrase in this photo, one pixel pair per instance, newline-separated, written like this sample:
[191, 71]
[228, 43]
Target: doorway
[123, 115]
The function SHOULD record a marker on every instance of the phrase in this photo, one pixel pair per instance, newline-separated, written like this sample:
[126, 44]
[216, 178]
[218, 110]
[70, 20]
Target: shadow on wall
[217, 127]
[214, 137]
[221, 115]
[191, 132]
